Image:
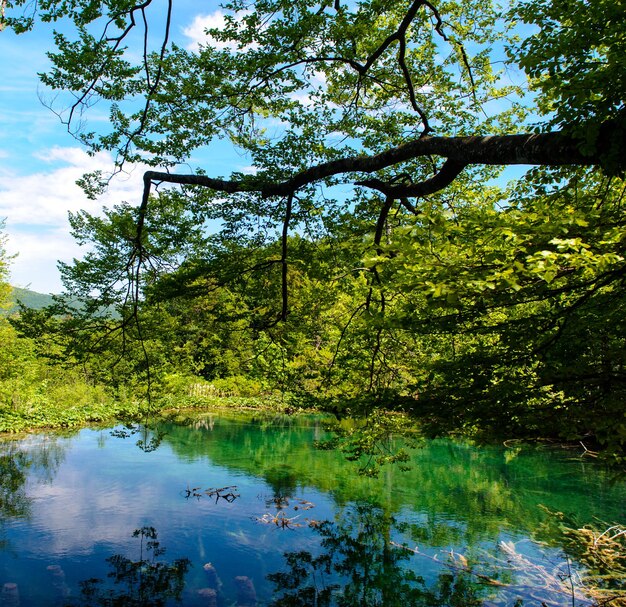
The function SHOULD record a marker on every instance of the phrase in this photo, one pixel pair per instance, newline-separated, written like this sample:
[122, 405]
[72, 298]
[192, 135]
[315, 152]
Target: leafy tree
[575, 58]
[5, 287]
[521, 307]
[14, 353]
[370, 87]
[371, 249]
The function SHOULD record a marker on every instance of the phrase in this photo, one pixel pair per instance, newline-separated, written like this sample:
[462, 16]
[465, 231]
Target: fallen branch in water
[541, 586]
[280, 520]
[588, 451]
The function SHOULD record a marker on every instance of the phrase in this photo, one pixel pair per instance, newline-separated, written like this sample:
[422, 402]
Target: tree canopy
[400, 100]
[373, 246]
[363, 87]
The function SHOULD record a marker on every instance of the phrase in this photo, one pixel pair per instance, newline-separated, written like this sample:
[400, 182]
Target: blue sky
[40, 161]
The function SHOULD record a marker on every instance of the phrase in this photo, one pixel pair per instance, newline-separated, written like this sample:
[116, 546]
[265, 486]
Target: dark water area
[245, 511]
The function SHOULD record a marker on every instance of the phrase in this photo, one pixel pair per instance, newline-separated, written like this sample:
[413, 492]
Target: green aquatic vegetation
[599, 548]
[44, 412]
[447, 479]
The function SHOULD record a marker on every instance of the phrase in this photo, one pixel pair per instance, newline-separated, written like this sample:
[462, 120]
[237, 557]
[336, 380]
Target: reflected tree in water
[358, 566]
[16, 464]
[146, 582]
[13, 500]
[150, 438]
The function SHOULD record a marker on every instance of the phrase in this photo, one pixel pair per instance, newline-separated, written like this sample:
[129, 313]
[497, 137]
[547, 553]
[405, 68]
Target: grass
[76, 405]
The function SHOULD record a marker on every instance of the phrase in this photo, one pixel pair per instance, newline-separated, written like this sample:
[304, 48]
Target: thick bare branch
[547, 149]
[397, 36]
[460, 47]
[152, 87]
[378, 235]
[448, 173]
[411, 89]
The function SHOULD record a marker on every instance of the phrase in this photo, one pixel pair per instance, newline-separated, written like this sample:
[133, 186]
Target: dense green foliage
[147, 580]
[39, 387]
[364, 261]
[5, 289]
[503, 314]
[576, 60]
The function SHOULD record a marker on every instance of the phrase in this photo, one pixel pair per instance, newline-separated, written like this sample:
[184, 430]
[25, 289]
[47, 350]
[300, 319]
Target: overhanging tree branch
[448, 173]
[547, 149]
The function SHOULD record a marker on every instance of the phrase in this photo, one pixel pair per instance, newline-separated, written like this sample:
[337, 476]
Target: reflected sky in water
[279, 520]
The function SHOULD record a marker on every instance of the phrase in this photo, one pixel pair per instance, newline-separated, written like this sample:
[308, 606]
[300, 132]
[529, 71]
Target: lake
[243, 510]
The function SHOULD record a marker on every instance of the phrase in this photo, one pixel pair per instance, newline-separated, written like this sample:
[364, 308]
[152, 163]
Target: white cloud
[37, 255]
[197, 31]
[35, 207]
[97, 516]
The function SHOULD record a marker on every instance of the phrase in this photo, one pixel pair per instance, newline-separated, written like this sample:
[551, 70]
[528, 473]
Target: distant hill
[38, 301]
[31, 299]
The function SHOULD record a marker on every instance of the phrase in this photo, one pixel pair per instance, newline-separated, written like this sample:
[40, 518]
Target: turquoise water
[92, 519]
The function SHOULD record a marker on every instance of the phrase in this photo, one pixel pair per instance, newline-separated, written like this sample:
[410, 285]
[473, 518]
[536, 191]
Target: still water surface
[91, 519]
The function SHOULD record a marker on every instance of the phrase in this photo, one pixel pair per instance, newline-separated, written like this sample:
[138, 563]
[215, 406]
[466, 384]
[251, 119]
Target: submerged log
[246, 594]
[10, 595]
[208, 596]
[58, 580]
[213, 580]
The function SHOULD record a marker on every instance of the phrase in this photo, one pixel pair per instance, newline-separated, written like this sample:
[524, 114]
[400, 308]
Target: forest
[432, 221]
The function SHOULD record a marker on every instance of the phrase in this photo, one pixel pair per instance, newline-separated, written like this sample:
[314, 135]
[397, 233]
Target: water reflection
[13, 499]
[149, 438]
[356, 563]
[152, 581]
[360, 565]
[355, 566]
[148, 581]
[483, 489]
[18, 461]
[253, 514]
